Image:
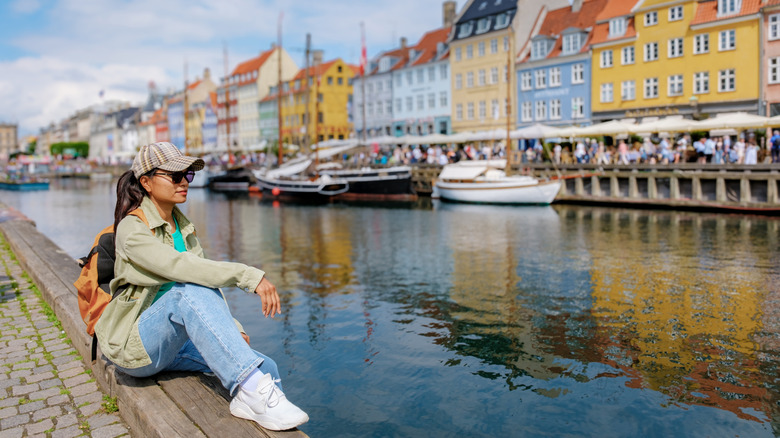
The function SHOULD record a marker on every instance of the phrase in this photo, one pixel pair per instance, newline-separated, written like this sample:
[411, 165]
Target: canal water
[432, 319]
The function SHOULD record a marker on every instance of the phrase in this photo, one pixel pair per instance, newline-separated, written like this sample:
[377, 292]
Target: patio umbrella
[613, 127]
[433, 139]
[537, 130]
[738, 120]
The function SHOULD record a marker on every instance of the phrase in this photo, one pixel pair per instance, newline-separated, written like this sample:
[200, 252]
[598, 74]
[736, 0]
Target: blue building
[176, 122]
[554, 77]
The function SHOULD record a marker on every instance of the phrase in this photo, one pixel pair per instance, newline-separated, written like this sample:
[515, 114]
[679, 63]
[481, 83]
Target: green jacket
[145, 260]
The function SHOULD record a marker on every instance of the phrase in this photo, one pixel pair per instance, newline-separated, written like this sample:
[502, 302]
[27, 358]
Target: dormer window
[502, 21]
[384, 64]
[483, 6]
[572, 43]
[617, 27]
[439, 48]
[483, 25]
[540, 49]
[465, 29]
[728, 7]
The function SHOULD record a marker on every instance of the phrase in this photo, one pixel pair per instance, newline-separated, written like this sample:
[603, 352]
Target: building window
[459, 111]
[541, 110]
[555, 77]
[506, 44]
[727, 80]
[555, 109]
[431, 100]
[571, 43]
[431, 74]
[494, 108]
[728, 7]
[675, 13]
[675, 49]
[370, 107]
[409, 103]
[470, 110]
[628, 90]
[539, 49]
[458, 53]
[701, 43]
[494, 75]
[481, 48]
[458, 81]
[420, 102]
[420, 76]
[651, 88]
[470, 79]
[399, 106]
[651, 52]
[701, 82]
[727, 40]
[606, 92]
[409, 78]
[483, 25]
[774, 27]
[606, 59]
[541, 78]
[617, 27]
[494, 46]
[577, 73]
[443, 99]
[651, 18]
[465, 29]
[469, 51]
[526, 81]
[675, 85]
[577, 107]
[481, 77]
[502, 20]
[482, 110]
[627, 55]
[443, 71]
[527, 113]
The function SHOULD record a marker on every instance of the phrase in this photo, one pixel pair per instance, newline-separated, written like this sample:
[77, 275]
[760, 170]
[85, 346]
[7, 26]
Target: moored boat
[24, 185]
[379, 183]
[288, 183]
[235, 179]
[485, 181]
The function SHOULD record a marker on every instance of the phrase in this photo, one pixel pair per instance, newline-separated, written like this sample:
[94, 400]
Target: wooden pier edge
[168, 405]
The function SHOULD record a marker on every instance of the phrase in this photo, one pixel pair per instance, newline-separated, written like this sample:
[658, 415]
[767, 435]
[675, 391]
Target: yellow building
[658, 57]
[483, 46]
[318, 111]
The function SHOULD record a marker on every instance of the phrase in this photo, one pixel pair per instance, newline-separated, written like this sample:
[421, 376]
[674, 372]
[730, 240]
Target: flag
[363, 57]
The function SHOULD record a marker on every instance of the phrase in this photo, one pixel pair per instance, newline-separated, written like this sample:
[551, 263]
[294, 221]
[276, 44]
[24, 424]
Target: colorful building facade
[554, 77]
[656, 58]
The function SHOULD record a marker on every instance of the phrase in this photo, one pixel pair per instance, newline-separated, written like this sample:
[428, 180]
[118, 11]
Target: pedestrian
[739, 149]
[622, 152]
[167, 313]
[709, 149]
[751, 150]
[775, 142]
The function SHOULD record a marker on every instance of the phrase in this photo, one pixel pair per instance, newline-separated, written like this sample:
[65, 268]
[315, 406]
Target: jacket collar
[156, 221]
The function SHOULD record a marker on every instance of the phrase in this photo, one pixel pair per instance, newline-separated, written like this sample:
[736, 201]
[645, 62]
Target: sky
[57, 55]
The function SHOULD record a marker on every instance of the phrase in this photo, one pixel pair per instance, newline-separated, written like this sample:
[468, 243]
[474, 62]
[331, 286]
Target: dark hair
[129, 194]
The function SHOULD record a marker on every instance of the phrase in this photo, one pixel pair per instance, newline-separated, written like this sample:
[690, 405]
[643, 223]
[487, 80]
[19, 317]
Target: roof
[253, 64]
[428, 45]
[194, 85]
[600, 32]
[559, 20]
[484, 8]
[707, 12]
[213, 99]
[478, 10]
[616, 8]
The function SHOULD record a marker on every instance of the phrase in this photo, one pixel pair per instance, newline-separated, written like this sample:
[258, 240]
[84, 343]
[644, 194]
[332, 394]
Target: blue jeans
[190, 329]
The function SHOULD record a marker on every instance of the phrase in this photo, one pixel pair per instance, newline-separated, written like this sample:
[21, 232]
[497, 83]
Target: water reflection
[443, 319]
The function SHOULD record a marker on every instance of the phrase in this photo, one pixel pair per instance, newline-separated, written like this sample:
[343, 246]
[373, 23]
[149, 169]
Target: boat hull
[25, 186]
[499, 192]
[380, 182]
[301, 190]
[233, 180]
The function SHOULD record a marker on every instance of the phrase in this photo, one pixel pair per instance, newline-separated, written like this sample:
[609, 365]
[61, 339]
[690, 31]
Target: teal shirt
[178, 244]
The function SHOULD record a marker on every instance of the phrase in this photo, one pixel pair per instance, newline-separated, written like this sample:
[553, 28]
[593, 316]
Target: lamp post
[694, 101]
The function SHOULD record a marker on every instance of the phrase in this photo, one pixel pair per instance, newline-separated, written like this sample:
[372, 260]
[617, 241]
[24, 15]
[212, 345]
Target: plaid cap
[164, 156]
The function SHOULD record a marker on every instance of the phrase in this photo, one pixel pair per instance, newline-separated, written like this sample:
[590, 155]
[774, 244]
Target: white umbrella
[773, 121]
[461, 137]
[739, 120]
[433, 139]
[537, 130]
[495, 134]
[613, 127]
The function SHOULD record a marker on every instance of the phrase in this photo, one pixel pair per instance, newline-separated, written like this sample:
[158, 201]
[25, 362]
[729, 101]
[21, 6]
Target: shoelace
[274, 393]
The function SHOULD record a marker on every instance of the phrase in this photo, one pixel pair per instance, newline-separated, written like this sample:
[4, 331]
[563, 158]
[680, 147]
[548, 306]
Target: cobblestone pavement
[45, 389]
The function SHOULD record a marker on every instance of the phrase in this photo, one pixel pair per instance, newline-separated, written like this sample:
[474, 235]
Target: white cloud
[25, 6]
[87, 45]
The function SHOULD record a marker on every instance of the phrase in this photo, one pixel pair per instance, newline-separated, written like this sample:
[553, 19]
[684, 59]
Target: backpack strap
[140, 215]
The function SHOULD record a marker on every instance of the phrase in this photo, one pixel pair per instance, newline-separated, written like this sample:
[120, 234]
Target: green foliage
[109, 404]
[74, 149]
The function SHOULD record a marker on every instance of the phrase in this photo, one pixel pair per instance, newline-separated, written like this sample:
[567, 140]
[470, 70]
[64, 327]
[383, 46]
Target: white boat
[288, 183]
[484, 181]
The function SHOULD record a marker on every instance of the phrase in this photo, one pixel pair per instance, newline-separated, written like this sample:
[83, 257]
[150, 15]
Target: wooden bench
[167, 405]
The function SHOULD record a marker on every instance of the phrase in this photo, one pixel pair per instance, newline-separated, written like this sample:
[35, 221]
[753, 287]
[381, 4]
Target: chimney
[576, 5]
[449, 12]
[403, 42]
[206, 74]
[316, 57]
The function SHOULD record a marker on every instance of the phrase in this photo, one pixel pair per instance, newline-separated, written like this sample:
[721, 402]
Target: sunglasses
[176, 177]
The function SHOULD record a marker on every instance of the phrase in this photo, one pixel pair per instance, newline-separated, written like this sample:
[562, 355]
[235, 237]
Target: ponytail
[129, 194]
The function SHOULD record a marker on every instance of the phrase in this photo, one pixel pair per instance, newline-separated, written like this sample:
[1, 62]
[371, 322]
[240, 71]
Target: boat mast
[508, 145]
[364, 63]
[184, 107]
[307, 96]
[279, 86]
[227, 101]
[317, 74]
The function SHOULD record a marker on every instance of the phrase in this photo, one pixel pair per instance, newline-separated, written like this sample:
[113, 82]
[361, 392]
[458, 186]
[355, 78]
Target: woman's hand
[270, 298]
[246, 338]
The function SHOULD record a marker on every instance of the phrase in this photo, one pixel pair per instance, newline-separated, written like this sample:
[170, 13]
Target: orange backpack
[97, 271]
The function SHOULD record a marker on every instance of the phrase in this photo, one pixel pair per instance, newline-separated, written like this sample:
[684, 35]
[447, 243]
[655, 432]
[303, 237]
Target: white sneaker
[268, 406]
